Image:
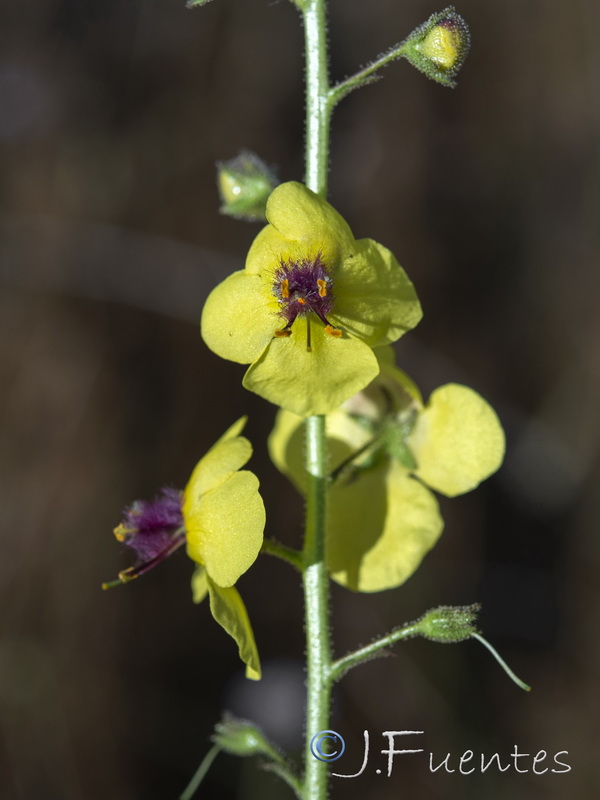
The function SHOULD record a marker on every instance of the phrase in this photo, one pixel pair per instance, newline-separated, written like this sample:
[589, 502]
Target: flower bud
[439, 47]
[244, 183]
[242, 738]
[448, 624]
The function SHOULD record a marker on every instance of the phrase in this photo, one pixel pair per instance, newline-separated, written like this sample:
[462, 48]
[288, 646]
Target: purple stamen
[303, 286]
[153, 529]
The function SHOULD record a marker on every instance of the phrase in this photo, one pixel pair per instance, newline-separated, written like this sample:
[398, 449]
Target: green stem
[521, 684]
[287, 554]
[190, 789]
[335, 474]
[318, 108]
[315, 576]
[281, 769]
[342, 665]
[364, 76]
[316, 598]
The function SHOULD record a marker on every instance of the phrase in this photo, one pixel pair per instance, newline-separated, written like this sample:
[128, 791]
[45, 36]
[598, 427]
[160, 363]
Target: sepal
[439, 46]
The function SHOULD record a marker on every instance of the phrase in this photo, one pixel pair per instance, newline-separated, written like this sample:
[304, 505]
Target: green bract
[382, 518]
[309, 307]
[224, 519]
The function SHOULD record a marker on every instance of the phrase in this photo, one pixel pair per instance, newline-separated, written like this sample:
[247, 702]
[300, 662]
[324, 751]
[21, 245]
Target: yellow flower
[383, 519]
[220, 517]
[224, 520]
[309, 307]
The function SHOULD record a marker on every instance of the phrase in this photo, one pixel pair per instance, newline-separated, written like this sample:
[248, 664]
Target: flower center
[303, 286]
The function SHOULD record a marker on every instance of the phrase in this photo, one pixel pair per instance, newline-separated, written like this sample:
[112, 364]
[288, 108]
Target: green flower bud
[244, 183]
[242, 738]
[439, 47]
[448, 624]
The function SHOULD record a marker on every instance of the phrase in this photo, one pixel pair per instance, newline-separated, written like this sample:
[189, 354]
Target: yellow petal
[224, 528]
[224, 458]
[380, 528]
[457, 440]
[228, 608]
[286, 443]
[374, 298]
[301, 215]
[269, 248]
[395, 379]
[199, 584]
[286, 447]
[239, 318]
[386, 355]
[314, 382]
[443, 45]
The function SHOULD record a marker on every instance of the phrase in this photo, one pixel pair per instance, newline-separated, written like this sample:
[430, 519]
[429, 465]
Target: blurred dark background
[112, 115]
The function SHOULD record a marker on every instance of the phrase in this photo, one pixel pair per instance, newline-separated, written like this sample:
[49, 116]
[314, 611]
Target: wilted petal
[228, 608]
[199, 584]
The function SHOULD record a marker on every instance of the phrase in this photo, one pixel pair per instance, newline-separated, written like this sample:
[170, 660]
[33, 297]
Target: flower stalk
[287, 554]
[343, 665]
[337, 379]
[316, 600]
[318, 108]
[315, 577]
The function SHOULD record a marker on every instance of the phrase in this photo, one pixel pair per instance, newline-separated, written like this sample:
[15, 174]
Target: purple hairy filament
[175, 541]
[153, 529]
[303, 286]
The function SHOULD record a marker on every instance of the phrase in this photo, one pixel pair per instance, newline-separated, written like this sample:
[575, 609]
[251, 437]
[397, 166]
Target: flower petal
[457, 440]
[199, 584]
[225, 528]
[238, 318]
[224, 458]
[228, 608]
[375, 300]
[314, 382]
[286, 443]
[380, 528]
[299, 214]
[268, 249]
[286, 447]
[396, 380]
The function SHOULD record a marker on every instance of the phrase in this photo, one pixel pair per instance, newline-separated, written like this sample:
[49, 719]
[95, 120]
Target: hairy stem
[318, 108]
[287, 554]
[316, 599]
[315, 577]
[366, 75]
[342, 665]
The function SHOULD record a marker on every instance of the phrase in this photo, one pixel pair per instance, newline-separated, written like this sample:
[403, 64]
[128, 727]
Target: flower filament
[303, 286]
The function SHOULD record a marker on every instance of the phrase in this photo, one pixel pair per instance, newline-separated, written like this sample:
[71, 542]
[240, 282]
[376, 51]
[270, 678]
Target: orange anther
[333, 331]
[283, 333]
[285, 288]
[302, 301]
[322, 288]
